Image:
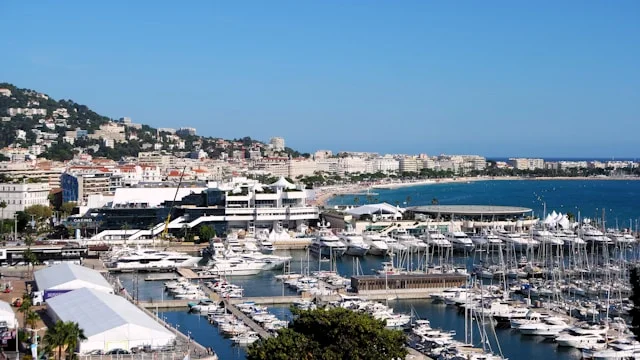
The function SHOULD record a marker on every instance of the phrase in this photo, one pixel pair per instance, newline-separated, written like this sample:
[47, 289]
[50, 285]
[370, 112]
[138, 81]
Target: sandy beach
[323, 194]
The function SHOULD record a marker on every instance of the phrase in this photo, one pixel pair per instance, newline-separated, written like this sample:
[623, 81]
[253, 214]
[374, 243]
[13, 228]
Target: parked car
[117, 352]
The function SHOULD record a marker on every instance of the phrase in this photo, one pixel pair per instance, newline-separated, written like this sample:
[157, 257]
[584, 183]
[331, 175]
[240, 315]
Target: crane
[173, 203]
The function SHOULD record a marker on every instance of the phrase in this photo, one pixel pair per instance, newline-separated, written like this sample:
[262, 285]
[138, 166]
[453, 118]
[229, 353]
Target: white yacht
[547, 237]
[517, 240]
[569, 238]
[587, 341]
[591, 234]
[621, 238]
[548, 327]
[151, 259]
[460, 240]
[354, 241]
[377, 244]
[409, 241]
[486, 240]
[235, 266]
[394, 245]
[326, 244]
[434, 238]
[266, 246]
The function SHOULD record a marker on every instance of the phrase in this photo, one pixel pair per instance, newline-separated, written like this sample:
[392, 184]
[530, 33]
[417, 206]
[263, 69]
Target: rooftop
[470, 209]
[60, 274]
[97, 312]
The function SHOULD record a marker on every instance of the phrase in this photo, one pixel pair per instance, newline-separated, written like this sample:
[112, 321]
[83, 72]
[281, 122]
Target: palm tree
[3, 205]
[55, 338]
[73, 336]
[32, 319]
[25, 306]
[125, 227]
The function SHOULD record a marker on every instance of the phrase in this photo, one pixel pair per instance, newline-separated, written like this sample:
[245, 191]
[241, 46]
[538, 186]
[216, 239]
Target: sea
[619, 198]
[582, 198]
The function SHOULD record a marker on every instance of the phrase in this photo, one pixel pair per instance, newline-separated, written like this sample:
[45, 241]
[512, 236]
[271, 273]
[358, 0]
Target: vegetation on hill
[82, 117]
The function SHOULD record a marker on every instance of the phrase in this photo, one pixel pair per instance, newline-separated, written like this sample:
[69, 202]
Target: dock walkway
[247, 320]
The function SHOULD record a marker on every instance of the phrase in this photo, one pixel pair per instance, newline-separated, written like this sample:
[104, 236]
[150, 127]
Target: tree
[73, 336]
[332, 334]
[207, 232]
[39, 213]
[30, 258]
[67, 207]
[3, 205]
[55, 338]
[32, 319]
[25, 306]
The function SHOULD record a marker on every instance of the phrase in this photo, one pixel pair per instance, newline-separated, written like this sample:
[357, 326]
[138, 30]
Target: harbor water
[584, 197]
[513, 345]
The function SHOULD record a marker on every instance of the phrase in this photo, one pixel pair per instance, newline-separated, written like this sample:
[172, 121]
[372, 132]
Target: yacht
[546, 237]
[151, 259]
[460, 240]
[377, 244]
[584, 341]
[548, 327]
[354, 241]
[486, 240]
[234, 266]
[569, 238]
[394, 246]
[203, 306]
[403, 237]
[266, 247]
[435, 239]
[326, 244]
[621, 238]
[517, 240]
[591, 234]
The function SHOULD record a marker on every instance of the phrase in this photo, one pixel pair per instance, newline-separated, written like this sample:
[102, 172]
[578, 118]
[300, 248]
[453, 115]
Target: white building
[526, 164]
[5, 92]
[277, 143]
[68, 277]
[351, 165]
[19, 196]
[108, 321]
[410, 164]
[301, 167]
[385, 164]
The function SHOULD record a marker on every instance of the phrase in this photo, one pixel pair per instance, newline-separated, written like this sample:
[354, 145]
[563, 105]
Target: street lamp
[34, 346]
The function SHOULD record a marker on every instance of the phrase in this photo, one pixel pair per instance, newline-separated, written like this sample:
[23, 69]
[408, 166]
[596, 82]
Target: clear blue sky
[524, 78]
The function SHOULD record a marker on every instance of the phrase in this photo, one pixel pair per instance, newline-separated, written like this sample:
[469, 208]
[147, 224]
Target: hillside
[59, 129]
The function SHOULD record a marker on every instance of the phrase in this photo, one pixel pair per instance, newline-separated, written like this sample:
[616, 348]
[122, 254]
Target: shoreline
[324, 194]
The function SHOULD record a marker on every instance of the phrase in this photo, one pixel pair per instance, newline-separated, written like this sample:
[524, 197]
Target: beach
[323, 194]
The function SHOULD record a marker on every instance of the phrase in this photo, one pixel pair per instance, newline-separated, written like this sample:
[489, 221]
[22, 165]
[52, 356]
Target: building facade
[19, 196]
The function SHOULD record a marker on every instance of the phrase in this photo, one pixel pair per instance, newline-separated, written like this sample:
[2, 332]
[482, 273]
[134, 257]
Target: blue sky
[498, 78]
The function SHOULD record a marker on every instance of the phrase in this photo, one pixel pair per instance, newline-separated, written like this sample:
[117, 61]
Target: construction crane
[173, 203]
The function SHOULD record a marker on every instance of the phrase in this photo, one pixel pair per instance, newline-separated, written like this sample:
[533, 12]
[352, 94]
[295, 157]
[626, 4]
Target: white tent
[108, 321]
[382, 210]
[283, 183]
[7, 316]
[66, 276]
[564, 222]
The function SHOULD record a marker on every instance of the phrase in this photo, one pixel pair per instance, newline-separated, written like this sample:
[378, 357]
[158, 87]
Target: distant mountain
[58, 129]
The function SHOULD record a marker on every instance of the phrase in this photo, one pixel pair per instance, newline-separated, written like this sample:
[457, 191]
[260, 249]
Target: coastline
[324, 194]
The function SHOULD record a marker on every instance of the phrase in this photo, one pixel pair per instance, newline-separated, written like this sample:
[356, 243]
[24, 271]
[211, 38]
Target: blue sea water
[587, 198]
